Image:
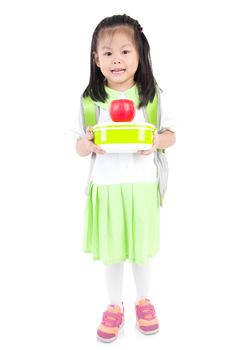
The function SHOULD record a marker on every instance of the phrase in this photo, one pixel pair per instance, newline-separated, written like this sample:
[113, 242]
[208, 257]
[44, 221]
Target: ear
[96, 59]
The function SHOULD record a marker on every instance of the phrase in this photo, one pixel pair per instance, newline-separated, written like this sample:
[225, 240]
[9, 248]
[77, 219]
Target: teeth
[118, 70]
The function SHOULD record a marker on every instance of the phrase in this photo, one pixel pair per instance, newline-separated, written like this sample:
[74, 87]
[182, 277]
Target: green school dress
[122, 212]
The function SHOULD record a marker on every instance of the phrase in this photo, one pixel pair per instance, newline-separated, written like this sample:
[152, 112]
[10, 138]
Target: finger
[89, 132]
[89, 136]
[98, 150]
[142, 152]
[146, 152]
[89, 129]
[149, 151]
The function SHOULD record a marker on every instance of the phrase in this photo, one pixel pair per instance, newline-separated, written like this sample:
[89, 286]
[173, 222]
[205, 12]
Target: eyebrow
[109, 48]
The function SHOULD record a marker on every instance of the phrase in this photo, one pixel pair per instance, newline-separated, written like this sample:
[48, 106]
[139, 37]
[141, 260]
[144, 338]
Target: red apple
[122, 110]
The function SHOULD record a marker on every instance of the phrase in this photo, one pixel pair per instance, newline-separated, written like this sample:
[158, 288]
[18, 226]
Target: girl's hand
[89, 144]
[154, 147]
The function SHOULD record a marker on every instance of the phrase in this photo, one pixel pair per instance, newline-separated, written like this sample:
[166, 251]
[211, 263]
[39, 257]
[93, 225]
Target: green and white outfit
[122, 209]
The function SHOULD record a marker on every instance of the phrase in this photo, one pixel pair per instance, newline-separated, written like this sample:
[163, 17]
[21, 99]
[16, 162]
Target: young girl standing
[122, 208]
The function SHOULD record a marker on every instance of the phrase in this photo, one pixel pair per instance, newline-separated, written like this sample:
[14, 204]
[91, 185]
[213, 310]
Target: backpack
[152, 113]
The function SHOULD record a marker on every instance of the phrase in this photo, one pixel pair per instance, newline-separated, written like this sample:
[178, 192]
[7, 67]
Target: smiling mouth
[117, 70]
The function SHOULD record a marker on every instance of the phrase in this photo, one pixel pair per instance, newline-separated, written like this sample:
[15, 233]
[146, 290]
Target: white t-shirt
[115, 168]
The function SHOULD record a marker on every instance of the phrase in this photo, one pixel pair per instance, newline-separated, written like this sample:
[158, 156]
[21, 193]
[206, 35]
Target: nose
[117, 60]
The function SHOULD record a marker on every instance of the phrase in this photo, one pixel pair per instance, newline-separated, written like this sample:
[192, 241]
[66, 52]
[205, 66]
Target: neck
[120, 87]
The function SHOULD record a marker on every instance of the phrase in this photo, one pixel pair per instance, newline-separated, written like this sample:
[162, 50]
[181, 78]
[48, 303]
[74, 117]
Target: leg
[147, 321]
[114, 282]
[113, 317]
[142, 280]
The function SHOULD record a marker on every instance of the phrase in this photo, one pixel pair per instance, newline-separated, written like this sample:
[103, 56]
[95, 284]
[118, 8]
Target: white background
[52, 294]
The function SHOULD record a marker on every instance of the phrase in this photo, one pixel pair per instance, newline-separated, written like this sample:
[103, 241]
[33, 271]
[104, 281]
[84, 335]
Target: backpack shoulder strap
[152, 110]
[89, 109]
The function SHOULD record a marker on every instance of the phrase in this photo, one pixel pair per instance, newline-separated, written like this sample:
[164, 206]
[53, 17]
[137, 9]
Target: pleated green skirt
[122, 222]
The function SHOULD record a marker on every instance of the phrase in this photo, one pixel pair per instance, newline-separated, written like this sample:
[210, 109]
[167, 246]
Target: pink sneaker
[147, 322]
[112, 322]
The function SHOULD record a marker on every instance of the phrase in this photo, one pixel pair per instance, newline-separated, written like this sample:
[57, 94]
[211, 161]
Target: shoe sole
[105, 340]
[146, 332]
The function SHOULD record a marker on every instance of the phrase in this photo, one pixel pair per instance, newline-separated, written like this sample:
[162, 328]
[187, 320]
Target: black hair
[143, 77]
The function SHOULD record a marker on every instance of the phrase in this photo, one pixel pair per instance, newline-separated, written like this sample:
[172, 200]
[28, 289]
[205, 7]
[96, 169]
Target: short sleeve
[77, 128]
[167, 120]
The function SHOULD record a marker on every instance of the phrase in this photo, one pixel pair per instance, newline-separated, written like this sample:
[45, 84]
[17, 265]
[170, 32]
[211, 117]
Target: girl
[122, 209]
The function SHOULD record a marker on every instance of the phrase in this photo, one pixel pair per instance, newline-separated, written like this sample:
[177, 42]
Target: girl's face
[117, 57]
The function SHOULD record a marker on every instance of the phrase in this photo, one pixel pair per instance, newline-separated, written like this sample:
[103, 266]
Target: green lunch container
[124, 137]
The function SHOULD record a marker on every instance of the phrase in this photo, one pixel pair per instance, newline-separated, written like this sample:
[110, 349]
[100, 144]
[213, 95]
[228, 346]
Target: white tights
[114, 281]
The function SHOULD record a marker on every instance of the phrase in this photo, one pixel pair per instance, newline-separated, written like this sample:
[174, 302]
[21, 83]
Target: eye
[108, 53]
[125, 52]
